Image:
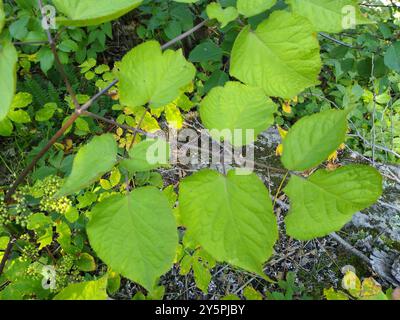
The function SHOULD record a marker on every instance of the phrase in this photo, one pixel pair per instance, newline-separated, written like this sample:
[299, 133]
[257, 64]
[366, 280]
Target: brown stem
[60, 67]
[7, 254]
[115, 123]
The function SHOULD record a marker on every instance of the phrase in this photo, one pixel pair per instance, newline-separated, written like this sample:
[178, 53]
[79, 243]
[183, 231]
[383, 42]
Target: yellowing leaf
[279, 150]
[352, 284]
[331, 294]
[282, 132]
[105, 184]
[173, 116]
[115, 177]
[371, 290]
[333, 157]
[287, 108]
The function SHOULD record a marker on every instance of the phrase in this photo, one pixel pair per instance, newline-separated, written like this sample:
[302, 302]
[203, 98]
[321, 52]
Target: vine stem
[7, 253]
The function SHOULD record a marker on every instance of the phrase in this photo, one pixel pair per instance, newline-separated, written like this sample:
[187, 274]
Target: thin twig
[324, 35]
[60, 67]
[184, 35]
[350, 248]
[280, 188]
[115, 123]
[30, 43]
[373, 110]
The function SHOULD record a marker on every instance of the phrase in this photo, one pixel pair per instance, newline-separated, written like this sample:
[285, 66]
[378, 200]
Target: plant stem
[280, 188]
[137, 128]
[7, 254]
[60, 67]
[115, 123]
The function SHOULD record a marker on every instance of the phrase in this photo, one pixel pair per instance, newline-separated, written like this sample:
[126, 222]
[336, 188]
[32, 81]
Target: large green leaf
[89, 290]
[237, 106]
[8, 62]
[2, 16]
[147, 75]
[281, 56]
[92, 161]
[326, 201]
[147, 155]
[83, 13]
[231, 217]
[251, 8]
[392, 56]
[330, 15]
[313, 138]
[136, 235]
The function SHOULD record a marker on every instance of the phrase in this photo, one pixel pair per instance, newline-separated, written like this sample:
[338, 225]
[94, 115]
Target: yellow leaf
[120, 132]
[174, 116]
[331, 294]
[287, 108]
[128, 111]
[150, 124]
[352, 284]
[59, 146]
[115, 177]
[370, 288]
[279, 150]
[105, 184]
[282, 132]
[333, 157]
